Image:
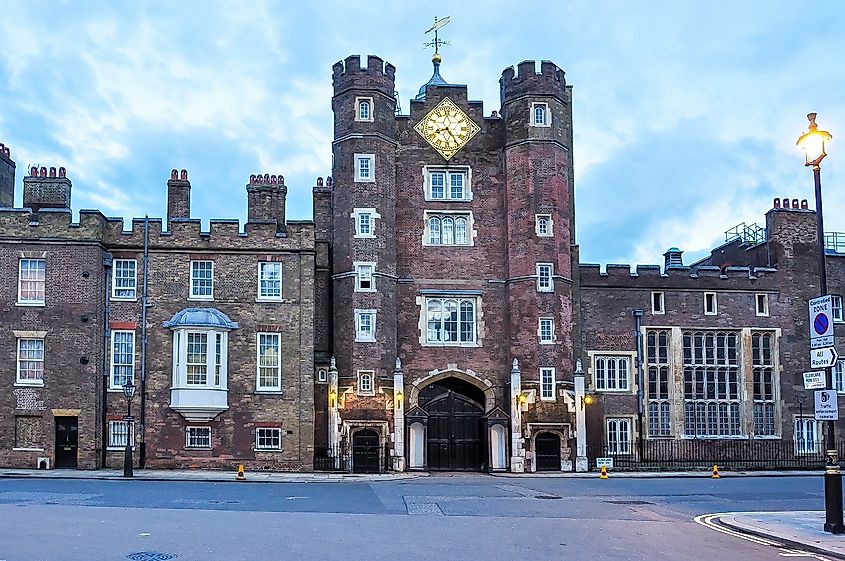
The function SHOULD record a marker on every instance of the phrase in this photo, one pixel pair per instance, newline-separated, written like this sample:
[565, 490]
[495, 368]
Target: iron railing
[749, 233]
[834, 242]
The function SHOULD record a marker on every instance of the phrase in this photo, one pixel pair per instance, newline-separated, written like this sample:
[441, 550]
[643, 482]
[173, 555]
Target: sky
[685, 113]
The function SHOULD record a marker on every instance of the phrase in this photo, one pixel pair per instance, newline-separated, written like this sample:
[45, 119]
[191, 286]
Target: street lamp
[814, 142]
[129, 392]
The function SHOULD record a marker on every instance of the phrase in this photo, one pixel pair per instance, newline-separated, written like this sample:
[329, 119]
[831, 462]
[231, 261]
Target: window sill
[364, 237]
[541, 126]
[29, 384]
[548, 342]
[450, 245]
[197, 448]
[365, 340]
[271, 450]
[360, 290]
[548, 399]
[367, 394]
[710, 314]
[115, 390]
[733, 437]
[27, 449]
[466, 345]
[201, 298]
[767, 437]
[430, 199]
[117, 448]
[624, 392]
[30, 304]
[116, 299]
[359, 180]
[656, 313]
[270, 300]
[269, 392]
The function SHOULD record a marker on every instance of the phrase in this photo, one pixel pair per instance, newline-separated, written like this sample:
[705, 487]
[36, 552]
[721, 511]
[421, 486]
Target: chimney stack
[7, 178]
[266, 200]
[178, 196]
[46, 189]
[673, 258]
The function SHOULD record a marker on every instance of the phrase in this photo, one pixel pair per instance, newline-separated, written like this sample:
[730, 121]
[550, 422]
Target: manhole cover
[150, 556]
[629, 502]
[550, 497]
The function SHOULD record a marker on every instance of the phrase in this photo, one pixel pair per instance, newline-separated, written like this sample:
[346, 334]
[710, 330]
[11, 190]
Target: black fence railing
[704, 453]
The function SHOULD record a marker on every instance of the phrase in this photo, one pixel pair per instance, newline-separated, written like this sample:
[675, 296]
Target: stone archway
[452, 371]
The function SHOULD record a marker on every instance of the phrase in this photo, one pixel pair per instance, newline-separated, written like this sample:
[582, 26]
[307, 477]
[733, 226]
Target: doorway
[455, 409]
[67, 442]
[365, 451]
[547, 451]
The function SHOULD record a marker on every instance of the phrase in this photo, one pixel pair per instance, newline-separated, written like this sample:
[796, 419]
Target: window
[657, 303]
[269, 362]
[363, 109]
[838, 378]
[546, 330]
[612, 373]
[543, 225]
[450, 321]
[762, 304]
[268, 438]
[269, 280]
[197, 362]
[449, 229]
[364, 279]
[808, 436]
[836, 302]
[31, 362]
[618, 436]
[711, 384]
[32, 281]
[710, 303]
[192, 361]
[364, 221]
[198, 437]
[365, 171]
[547, 384]
[657, 365]
[121, 432]
[544, 277]
[124, 279]
[365, 382]
[448, 185]
[540, 115]
[122, 358]
[322, 375]
[365, 325]
[764, 383]
[202, 280]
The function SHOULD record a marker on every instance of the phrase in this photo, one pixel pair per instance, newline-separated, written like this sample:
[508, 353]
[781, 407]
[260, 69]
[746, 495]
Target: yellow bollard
[715, 472]
[241, 476]
[603, 473]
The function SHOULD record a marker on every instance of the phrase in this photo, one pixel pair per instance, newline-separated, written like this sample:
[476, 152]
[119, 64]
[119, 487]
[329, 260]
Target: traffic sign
[819, 342]
[823, 358]
[814, 380]
[821, 314]
[827, 405]
[604, 462]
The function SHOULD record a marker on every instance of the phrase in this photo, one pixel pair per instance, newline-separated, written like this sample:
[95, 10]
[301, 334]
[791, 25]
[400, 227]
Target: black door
[365, 451]
[455, 412]
[67, 441]
[547, 451]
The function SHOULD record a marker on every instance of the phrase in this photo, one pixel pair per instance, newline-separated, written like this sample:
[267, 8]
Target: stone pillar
[517, 441]
[581, 462]
[398, 417]
[334, 416]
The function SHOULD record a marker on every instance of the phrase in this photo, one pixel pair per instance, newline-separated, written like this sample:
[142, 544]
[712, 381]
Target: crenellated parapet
[677, 277]
[526, 81]
[376, 75]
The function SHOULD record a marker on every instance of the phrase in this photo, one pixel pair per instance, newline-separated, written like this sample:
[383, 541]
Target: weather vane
[437, 41]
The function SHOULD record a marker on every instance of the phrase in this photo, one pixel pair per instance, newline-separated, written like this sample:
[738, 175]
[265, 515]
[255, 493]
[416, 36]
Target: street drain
[151, 556]
[629, 502]
[550, 497]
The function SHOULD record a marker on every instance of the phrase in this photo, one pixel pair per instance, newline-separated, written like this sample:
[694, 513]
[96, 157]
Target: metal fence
[704, 453]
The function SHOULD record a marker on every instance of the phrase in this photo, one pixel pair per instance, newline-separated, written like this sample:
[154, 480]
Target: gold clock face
[447, 128]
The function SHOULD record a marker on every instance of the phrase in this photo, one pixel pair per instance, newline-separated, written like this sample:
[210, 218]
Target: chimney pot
[795, 204]
[52, 172]
[174, 174]
[43, 172]
[33, 171]
[804, 205]
[184, 175]
[329, 181]
[776, 202]
[319, 182]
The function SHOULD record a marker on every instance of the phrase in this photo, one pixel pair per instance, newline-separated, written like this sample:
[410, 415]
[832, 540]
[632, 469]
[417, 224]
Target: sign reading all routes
[821, 324]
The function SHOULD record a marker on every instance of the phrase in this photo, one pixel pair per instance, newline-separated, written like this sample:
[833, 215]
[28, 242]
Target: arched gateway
[455, 411]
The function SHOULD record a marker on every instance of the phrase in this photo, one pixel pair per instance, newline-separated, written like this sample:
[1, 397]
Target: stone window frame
[836, 305]
[322, 376]
[30, 382]
[618, 357]
[360, 387]
[192, 432]
[466, 171]
[764, 405]
[550, 226]
[551, 395]
[359, 313]
[112, 424]
[659, 368]
[542, 278]
[37, 281]
[193, 278]
[547, 116]
[132, 280]
[360, 266]
[459, 300]
[356, 214]
[271, 434]
[371, 114]
[430, 215]
[761, 311]
[658, 302]
[264, 298]
[118, 388]
[371, 167]
[259, 387]
[551, 322]
[715, 309]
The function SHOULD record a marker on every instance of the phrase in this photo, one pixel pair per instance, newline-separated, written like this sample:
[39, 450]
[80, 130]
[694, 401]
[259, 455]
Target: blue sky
[686, 113]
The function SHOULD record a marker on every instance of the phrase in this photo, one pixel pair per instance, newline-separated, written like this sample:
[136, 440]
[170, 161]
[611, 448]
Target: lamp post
[129, 392]
[814, 142]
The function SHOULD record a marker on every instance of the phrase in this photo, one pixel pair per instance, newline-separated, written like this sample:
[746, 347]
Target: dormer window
[364, 109]
[540, 115]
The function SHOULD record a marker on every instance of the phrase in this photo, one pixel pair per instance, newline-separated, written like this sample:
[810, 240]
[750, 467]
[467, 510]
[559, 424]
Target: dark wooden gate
[67, 441]
[365, 451]
[455, 413]
[547, 451]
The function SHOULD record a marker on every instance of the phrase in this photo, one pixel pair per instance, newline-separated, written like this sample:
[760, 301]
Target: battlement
[651, 277]
[525, 80]
[377, 75]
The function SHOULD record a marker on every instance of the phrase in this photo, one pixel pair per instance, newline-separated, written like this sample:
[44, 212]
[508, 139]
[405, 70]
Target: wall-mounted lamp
[333, 398]
[587, 400]
[399, 396]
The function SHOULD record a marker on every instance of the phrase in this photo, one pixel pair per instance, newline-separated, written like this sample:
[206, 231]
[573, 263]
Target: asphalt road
[451, 517]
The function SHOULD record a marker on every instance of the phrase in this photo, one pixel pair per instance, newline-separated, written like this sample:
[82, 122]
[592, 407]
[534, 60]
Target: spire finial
[437, 41]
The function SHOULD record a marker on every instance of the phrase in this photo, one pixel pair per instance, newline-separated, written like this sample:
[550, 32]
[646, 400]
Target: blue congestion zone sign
[821, 326]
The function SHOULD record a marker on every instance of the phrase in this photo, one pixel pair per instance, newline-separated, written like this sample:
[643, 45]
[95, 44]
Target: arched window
[434, 231]
[461, 230]
[539, 115]
[364, 110]
[448, 231]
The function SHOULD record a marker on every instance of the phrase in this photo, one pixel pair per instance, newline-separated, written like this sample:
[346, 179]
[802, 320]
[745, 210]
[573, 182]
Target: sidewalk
[797, 528]
[203, 475]
[706, 474]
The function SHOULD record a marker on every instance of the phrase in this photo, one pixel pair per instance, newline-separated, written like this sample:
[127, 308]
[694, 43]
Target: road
[453, 517]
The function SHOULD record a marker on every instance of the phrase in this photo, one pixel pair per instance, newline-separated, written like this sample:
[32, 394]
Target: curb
[731, 523]
[213, 479]
[657, 475]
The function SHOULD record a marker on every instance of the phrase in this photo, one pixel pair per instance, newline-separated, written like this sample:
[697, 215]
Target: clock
[447, 128]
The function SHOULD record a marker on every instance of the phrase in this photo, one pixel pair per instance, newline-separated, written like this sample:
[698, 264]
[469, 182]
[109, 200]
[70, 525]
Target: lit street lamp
[814, 142]
[129, 392]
